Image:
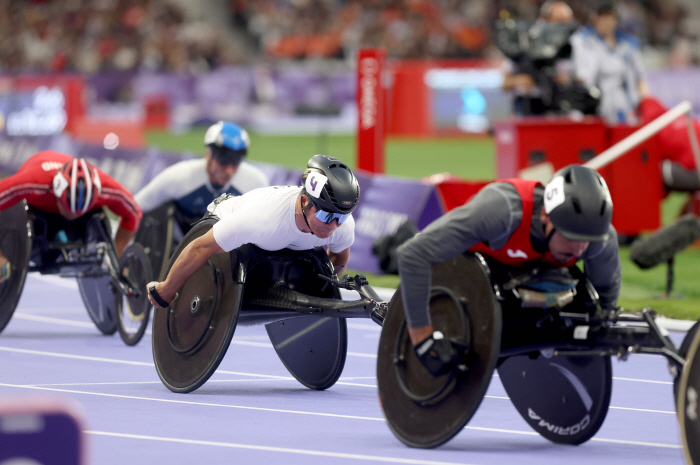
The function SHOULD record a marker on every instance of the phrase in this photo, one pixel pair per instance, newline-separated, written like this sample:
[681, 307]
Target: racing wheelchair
[546, 334]
[295, 294]
[161, 231]
[112, 289]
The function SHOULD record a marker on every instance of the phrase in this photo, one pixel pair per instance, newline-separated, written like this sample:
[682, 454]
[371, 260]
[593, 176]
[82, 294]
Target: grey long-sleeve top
[491, 217]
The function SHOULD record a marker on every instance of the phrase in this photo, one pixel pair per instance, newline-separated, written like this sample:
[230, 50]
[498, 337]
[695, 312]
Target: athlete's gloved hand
[437, 354]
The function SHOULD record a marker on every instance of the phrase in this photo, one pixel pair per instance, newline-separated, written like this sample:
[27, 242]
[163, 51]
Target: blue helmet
[228, 142]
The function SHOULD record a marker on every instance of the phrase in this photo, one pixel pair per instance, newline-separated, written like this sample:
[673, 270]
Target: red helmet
[76, 185]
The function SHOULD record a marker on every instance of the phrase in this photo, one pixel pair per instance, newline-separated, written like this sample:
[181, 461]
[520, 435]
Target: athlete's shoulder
[46, 160]
[186, 169]
[249, 177]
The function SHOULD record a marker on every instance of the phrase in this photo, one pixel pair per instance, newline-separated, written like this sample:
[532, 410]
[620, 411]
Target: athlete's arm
[602, 266]
[492, 215]
[339, 260]
[192, 258]
[120, 201]
[19, 186]
[165, 186]
[122, 239]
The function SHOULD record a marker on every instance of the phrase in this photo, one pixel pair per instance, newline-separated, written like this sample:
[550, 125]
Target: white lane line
[643, 410]
[52, 320]
[642, 380]
[357, 354]
[185, 402]
[317, 453]
[125, 383]
[78, 357]
[638, 443]
[299, 412]
[226, 372]
[128, 383]
[614, 441]
[244, 342]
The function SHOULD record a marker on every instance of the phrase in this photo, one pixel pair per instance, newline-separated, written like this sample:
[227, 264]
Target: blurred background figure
[538, 68]
[605, 57]
[527, 92]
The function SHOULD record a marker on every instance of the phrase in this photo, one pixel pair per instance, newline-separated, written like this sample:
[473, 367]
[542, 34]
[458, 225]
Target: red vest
[518, 251]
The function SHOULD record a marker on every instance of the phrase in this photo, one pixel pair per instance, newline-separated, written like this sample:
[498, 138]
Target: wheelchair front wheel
[134, 316]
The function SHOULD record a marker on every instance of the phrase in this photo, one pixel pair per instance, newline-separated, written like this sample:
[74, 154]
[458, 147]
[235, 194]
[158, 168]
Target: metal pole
[639, 136]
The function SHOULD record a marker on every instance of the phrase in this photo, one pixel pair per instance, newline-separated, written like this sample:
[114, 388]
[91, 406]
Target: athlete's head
[331, 190]
[605, 19]
[577, 210]
[227, 144]
[76, 186]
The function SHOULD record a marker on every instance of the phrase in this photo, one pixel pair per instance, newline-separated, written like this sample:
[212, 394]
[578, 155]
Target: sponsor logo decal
[517, 253]
[560, 430]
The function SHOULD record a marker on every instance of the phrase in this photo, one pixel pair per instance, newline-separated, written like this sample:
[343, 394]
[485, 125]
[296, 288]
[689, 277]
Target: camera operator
[521, 78]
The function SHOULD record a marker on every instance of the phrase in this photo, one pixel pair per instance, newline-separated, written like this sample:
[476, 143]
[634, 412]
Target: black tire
[191, 336]
[135, 311]
[683, 351]
[156, 236]
[16, 245]
[101, 298]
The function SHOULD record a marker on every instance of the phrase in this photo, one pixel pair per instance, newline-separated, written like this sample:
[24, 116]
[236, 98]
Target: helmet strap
[549, 236]
[303, 213]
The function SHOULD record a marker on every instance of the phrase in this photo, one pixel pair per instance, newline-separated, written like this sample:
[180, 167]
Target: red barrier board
[370, 104]
[635, 184]
[453, 191]
[525, 142]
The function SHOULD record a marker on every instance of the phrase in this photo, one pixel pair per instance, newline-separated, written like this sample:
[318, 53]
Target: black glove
[437, 354]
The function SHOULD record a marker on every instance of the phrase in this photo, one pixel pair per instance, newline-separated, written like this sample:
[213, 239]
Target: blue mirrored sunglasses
[328, 217]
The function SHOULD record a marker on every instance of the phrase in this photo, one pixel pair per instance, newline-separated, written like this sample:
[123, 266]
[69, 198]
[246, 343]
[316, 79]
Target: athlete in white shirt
[274, 218]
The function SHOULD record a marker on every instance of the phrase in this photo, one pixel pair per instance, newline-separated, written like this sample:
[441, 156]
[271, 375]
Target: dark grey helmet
[341, 192]
[578, 203]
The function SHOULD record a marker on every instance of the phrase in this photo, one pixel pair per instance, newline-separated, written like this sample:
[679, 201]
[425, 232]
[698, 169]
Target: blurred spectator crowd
[441, 28]
[97, 35]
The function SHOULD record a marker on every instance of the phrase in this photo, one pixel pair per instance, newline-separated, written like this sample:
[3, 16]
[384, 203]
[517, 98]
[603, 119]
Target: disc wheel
[683, 351]
[687, 402]
[15, 243]
[423, 410]
[155, 234]
[101, 298]
[135, 309]
[192, 335]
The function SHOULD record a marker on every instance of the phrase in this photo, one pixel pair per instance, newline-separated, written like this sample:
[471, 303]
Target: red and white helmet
[76, 185]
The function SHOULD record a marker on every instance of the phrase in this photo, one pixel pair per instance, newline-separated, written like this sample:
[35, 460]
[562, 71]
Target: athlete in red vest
[54, 182]
[517, 222]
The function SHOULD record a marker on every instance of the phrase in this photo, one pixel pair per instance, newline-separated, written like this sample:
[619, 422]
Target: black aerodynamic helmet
[578, 203]
[336, 190]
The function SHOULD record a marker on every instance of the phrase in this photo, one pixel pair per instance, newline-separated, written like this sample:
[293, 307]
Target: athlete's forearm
[339, 261]
[122, 239]
[192, 258]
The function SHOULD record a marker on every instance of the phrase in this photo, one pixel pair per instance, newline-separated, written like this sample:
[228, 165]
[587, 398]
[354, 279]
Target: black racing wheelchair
[160, 232]
[295, 294]
[112, 289]
[552, 347]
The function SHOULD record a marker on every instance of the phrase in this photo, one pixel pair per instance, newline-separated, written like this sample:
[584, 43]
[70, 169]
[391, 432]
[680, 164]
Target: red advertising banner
[370, 106]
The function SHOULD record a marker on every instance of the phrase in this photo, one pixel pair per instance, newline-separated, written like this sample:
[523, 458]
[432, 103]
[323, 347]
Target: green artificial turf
[469, 158]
